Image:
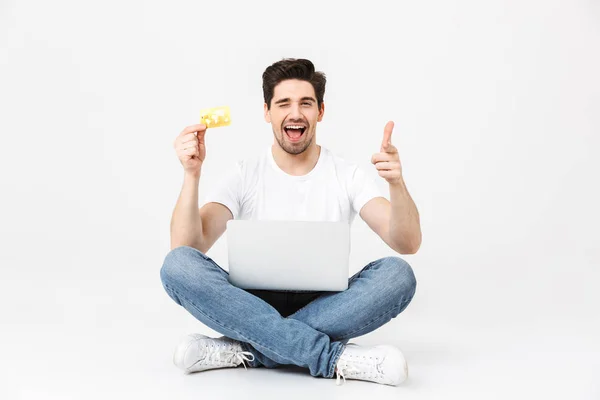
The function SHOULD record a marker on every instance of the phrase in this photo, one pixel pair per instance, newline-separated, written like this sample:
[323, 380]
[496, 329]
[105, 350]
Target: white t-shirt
[256, 188]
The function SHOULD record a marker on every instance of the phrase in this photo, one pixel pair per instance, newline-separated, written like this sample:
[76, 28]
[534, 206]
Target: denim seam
[214, 263]
[366, 268]
[371, 322]
[254, 343]
[337, 339]
[207, 258]
[335, 359]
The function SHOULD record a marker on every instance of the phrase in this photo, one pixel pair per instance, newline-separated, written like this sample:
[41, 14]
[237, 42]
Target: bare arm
[186, 222]
[189, 226]
[405, 225]
[396, 221]
[197, 228]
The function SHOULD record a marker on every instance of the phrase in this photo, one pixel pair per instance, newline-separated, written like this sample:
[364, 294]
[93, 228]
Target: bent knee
[179, 264]
[403, 277]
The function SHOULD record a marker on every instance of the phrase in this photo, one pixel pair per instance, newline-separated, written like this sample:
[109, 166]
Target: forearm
[186, 224]
[405, 225]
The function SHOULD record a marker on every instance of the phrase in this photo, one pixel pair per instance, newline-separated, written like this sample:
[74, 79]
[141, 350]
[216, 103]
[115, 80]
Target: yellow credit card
[215, 117]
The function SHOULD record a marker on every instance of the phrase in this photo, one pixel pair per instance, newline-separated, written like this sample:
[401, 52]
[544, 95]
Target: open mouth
[294, 132]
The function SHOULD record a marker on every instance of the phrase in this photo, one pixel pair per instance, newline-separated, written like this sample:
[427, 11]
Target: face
[294, 115]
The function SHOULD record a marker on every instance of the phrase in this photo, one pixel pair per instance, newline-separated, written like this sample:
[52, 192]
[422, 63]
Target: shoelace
[352, 369]
[215, 352]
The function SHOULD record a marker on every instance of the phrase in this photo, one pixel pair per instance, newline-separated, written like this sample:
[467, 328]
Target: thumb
[200, 136]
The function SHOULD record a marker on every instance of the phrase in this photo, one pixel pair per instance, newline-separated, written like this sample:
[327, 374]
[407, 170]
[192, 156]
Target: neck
[296, 164]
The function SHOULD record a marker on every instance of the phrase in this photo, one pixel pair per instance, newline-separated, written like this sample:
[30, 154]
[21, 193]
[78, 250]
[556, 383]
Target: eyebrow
[287, 100]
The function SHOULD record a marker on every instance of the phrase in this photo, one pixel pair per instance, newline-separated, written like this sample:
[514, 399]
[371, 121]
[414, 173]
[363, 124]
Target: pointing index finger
[387, 133]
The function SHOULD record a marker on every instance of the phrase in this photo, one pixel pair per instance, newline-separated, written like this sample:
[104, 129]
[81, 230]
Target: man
[296, 179]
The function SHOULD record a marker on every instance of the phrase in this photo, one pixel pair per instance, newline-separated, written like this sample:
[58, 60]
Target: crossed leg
[314, 336]
[375, 295]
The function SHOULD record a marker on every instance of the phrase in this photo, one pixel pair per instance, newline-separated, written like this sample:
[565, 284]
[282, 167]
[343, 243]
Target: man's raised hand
[387, 161]
[190, 148]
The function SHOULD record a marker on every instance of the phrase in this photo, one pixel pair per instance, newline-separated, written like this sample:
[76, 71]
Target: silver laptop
[288, 255]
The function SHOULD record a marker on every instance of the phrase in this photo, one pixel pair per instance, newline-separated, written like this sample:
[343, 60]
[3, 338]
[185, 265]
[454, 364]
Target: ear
[267, 114]
[321, 112]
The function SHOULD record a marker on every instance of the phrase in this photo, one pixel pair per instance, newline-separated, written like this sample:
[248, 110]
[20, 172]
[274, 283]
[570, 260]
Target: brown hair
[292, 68]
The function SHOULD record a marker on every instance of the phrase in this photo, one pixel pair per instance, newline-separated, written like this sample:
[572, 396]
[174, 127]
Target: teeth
[294, 127]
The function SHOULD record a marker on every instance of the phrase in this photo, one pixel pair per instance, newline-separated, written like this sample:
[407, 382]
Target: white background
[496, 106]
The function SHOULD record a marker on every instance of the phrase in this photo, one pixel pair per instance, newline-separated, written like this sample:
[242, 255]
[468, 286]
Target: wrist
[398, 183]
[192, 175]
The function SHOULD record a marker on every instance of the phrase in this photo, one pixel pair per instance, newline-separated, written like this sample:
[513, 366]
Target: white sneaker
[381, 364]
[197, 352]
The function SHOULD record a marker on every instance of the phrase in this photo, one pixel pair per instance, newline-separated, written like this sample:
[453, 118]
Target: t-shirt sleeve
[228, 191]
[362, 188]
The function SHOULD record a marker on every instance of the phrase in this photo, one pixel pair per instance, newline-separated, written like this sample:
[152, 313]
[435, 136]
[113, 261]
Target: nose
[295, 111]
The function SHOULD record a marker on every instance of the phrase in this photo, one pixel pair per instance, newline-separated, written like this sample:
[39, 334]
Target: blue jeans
[303, 328]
